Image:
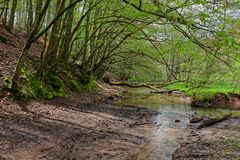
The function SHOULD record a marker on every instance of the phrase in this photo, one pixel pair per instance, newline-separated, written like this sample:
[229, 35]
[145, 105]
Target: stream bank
[219, 141]
[219, 100]
[82, 126]
[176, 138]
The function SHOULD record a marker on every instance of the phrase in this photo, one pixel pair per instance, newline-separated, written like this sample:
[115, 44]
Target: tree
[12, 15]
[172, 38]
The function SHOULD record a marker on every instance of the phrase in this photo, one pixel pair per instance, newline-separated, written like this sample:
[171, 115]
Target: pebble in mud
[177, 120]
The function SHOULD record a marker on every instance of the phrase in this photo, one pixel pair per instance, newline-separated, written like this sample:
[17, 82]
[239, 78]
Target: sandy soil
[218, 142]
[82, 126]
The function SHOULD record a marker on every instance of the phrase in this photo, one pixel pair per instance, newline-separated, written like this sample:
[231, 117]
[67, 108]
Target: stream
[174, 116]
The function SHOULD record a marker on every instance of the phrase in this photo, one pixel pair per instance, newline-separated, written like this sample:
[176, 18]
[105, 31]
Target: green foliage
[73, 84]
[206, 92]
[48, 88]
[52, 85]
[178, 86]
[89, 85]
[57, 84]
[163, 45]
[36, 89]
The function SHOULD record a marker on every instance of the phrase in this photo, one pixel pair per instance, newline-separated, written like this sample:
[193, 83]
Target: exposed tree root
[196, 119]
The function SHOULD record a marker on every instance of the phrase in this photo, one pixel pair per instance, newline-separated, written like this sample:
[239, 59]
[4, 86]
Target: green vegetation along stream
[175, 113]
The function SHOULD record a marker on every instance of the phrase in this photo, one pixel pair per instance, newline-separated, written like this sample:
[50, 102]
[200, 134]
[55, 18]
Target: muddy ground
[82, 126]
[218, 142]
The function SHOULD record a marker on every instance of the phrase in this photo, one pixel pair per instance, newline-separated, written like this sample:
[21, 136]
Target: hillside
[11, 44]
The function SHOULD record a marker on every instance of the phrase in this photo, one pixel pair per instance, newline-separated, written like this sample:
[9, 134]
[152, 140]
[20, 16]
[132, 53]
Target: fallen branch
[212, 121]
[174, 92]
[161, 91]
[196, 119]
[168, 83]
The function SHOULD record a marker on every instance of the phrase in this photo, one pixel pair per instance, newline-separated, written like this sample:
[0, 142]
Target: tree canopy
[196, 41]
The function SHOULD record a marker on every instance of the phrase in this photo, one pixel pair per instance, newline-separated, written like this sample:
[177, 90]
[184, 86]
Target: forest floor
[82, 126]
[220, 141]
[11, 45]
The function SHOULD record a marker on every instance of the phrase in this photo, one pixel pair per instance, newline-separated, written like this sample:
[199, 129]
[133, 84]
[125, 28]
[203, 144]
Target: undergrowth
[52, 85]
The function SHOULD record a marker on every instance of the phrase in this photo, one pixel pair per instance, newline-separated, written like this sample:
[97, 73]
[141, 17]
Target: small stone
[177, 120]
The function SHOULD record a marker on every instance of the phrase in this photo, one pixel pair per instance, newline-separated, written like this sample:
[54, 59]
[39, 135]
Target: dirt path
[83, 126]
[220, 141]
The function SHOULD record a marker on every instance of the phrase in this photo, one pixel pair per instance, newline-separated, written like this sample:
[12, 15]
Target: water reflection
[174, 116]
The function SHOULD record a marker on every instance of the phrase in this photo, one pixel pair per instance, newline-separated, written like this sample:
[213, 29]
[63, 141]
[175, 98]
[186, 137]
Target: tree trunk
[30, 16]
[66, 39]
[26, 47]
[86, 39]
[12, 15]
[54, 40]
[39, 4]
[5, 14]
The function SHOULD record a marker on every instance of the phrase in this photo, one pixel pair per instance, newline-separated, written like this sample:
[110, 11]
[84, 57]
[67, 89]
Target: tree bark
[5, 14]
[26, 47]
[30, 16]
[39, 4]
[12, 15]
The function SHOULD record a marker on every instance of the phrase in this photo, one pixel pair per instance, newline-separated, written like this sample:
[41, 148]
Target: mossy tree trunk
[30, 15]
[26, 48]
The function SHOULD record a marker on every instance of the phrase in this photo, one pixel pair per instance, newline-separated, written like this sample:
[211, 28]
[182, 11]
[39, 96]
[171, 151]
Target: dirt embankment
[220, 100]
[83, 126]
[220, 141]
[11, 44]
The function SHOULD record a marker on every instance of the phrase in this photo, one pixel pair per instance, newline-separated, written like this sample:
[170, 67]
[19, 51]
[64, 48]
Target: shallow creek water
[163, 143]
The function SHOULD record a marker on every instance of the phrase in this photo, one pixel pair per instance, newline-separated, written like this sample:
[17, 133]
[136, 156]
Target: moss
[72, 83]
[57, 84]
[51, 85]
[89, 84]
[55, 81]
[38, 89]
[47, 88]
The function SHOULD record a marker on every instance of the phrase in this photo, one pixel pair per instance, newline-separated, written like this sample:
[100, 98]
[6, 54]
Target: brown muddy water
[174, 116]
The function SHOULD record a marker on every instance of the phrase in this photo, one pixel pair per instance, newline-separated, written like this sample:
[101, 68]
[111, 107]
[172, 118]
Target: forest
[95, 74]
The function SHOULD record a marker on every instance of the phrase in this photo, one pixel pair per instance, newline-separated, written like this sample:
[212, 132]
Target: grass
[205, 92]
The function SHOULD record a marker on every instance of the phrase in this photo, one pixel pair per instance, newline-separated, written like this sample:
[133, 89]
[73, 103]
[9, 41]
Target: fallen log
[135, 85]
[212, 121]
